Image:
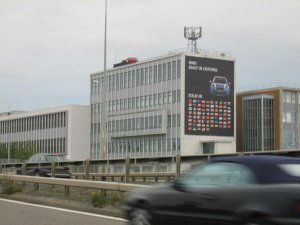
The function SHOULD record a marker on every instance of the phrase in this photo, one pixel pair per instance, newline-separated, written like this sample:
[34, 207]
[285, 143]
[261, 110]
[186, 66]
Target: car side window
[220, 173]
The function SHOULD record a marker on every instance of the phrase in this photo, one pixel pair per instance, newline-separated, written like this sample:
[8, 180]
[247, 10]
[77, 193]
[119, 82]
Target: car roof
[265, 167]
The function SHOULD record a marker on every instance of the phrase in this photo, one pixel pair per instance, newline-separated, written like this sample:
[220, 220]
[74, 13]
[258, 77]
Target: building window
[129, 103]
[146, 76]
[150, 75]
[150, 100]
[160, 99]
[174, 70]
[137, 101]
[178, 68]
[142, 76]
[129, 79]
[121, 81]
[178, 96]
[125, 104]
[164, 72]
[155, 74]
[159, 73]
[169, 97]
[133, 78]
[138, 77]
[208, 148]
[117, 82]
[155, 99]
[169, 71]
[142, 100]
[165, 98]
[114, 82]
[173, 96]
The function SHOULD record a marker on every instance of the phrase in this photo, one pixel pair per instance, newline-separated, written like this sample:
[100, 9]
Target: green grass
[112, 198]
[9, 187]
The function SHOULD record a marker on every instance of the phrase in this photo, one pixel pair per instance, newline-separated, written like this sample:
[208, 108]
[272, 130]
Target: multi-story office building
[179, 103]
[268, 119]
[62, 130]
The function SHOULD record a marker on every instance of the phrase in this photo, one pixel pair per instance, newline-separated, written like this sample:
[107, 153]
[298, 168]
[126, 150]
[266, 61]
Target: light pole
[9, 130]
[103, 142]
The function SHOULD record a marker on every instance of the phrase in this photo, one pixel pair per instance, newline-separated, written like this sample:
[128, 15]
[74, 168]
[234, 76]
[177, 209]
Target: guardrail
[132, 176]
[67, 183]
[87, 166]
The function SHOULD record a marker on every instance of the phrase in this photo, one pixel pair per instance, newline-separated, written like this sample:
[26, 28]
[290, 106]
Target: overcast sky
[48, 48]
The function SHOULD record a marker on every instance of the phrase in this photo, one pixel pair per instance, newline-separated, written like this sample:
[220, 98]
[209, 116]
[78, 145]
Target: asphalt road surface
[19, 213]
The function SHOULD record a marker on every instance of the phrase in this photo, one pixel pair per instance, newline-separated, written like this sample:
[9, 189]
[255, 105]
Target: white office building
[61, 130]
[182, 103]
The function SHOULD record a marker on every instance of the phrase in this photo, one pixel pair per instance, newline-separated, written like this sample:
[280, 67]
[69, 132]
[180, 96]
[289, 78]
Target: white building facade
[181, 103]
[61, 130]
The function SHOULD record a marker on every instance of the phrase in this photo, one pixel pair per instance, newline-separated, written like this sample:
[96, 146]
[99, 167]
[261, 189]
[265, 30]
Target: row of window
[140, 101]
[48, 121]
[55, 145]
[144, 145]
[289, 117]
[134, 124]
[144, 76]
[291, 97]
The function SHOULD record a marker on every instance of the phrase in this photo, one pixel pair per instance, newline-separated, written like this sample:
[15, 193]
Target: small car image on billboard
[219, 86]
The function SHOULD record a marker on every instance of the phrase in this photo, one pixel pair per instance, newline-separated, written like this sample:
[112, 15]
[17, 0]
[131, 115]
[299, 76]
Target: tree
[17, 152]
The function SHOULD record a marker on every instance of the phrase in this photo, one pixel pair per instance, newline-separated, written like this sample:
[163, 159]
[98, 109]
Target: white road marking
[64, 210]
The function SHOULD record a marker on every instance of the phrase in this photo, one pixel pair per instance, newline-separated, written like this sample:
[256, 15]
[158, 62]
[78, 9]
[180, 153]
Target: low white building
[61, 130]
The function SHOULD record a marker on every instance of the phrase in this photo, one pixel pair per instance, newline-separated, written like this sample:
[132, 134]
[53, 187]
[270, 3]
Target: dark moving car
[244, 190]
[41, 166]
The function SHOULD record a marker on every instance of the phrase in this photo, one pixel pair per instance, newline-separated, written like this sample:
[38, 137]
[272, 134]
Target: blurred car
[219, 86]
[44, 170]
[244, 190]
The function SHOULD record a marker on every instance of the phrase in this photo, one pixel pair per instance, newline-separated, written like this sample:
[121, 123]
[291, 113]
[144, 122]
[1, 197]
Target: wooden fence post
[67, 190]
[127, 166]
[178, 161]
[52, 169]
[87, 169]
[103, 171]
[24, 165]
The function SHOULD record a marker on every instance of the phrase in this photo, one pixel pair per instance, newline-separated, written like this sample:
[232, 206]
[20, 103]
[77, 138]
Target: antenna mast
[192, 34]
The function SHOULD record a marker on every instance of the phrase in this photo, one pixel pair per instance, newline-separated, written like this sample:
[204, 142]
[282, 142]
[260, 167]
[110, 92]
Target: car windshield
[219, 174]
[221, 80]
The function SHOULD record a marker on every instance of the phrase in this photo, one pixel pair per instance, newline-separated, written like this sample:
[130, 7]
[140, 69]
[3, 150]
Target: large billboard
[209, 96]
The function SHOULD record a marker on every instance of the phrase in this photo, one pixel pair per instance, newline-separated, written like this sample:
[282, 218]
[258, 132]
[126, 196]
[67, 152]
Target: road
[19, 213]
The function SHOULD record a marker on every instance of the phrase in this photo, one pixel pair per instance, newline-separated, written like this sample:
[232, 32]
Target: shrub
[8, 187]
[99, 200]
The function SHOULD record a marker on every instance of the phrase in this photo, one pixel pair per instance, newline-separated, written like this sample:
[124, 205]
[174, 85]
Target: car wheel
[140, 216]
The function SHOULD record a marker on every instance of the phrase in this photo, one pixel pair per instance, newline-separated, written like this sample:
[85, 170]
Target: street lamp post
[9, 130]
[103, 139]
